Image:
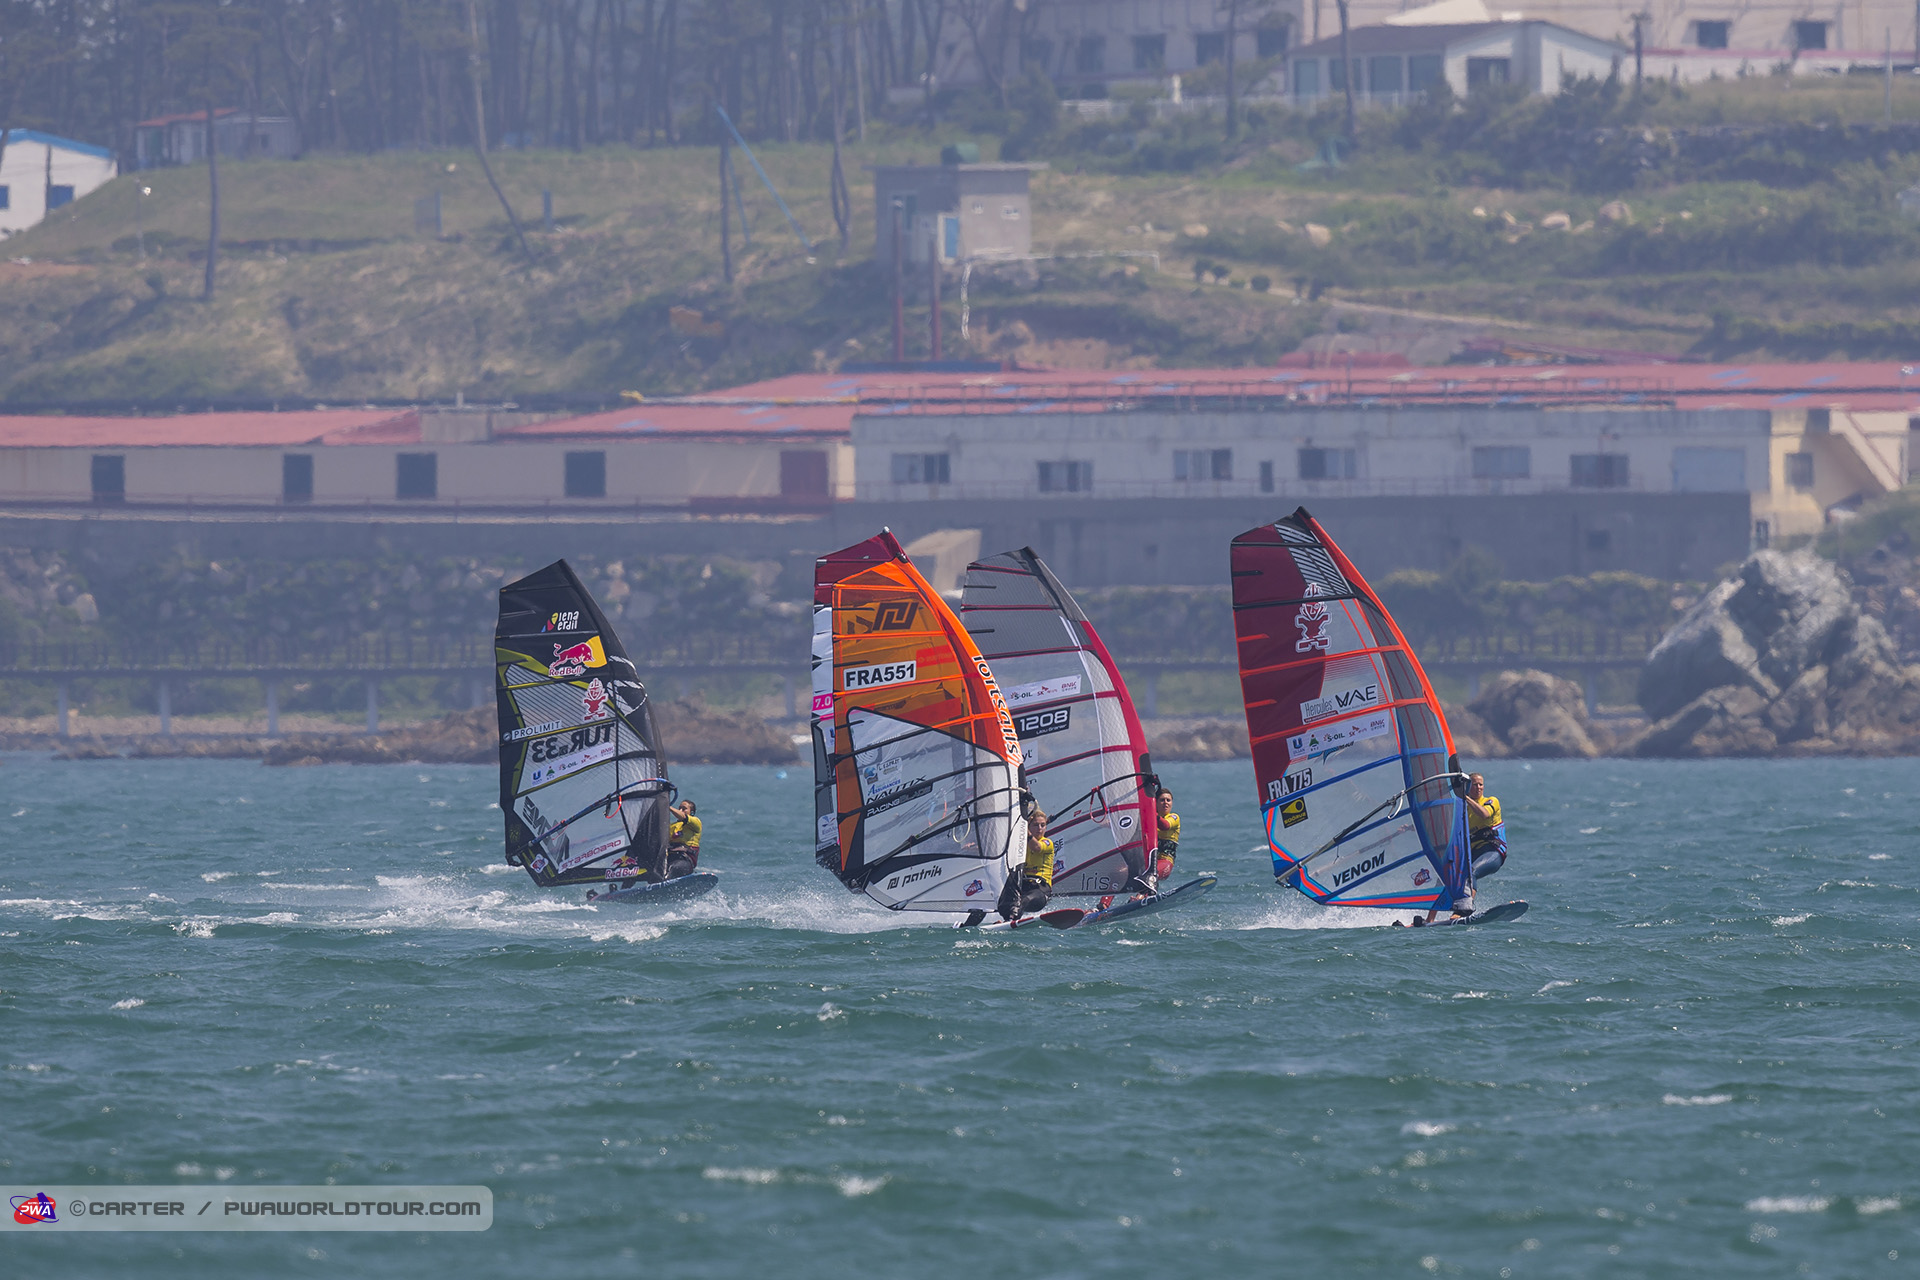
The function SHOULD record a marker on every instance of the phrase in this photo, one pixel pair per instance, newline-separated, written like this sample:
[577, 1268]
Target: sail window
[1599, 470]
[922, 468]
[1066, 477]
[1328, 464]
[586, 474]
[1502, 462]
[416, 475]
[1203, 464]
[296, 477]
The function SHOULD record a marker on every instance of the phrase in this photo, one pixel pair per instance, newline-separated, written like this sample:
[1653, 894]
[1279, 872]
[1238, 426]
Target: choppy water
[1695, 1055]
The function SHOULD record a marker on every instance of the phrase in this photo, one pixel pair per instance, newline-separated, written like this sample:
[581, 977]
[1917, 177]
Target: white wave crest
[1695, 1100]
[853, 1185]
[131, 1002]
[1875, 1204]
[1782, 921]
[752, 1177]
[1554, 985]
[1789, 1204]
[1427, 1128]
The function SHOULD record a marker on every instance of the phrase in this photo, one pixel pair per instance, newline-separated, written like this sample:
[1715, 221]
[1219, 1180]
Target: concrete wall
[1420, 450]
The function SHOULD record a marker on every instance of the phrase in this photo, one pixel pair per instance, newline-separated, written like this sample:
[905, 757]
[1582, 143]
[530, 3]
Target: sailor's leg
[1488, 861]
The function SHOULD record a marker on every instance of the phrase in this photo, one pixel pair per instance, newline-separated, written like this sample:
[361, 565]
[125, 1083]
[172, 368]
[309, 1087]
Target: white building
[40, 173]
[1392, 63]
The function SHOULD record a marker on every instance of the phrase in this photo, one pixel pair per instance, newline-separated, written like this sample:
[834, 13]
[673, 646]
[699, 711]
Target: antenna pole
[899, 284]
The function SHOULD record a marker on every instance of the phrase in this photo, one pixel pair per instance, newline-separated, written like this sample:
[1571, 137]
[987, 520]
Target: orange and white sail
[918, 791]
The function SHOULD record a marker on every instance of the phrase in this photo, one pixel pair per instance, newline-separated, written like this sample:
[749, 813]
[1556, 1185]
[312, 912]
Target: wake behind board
[678, 889]
[1155, 902]
[1492, 915]
[1059, 918]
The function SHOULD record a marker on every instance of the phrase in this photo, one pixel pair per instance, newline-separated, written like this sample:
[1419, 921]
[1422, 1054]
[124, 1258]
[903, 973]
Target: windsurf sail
[1086, 754]
[583, 782]
[1351, 751]
[917, 787]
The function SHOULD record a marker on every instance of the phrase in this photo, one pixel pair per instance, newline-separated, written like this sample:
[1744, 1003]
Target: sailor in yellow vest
[683, 841]
[1169, 848]
[1029, 887]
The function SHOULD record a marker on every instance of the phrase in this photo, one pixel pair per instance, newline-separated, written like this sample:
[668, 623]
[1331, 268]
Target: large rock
[1197, 738]
[1473, 738]
[1778, 660]
[1539, 716]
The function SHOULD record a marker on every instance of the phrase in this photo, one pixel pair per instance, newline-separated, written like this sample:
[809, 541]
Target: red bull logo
[32, 1210]
[594, 699]
[1312, 621]
[573, 660]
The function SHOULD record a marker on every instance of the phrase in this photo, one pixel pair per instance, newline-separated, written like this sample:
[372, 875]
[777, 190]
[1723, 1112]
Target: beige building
[688, 457]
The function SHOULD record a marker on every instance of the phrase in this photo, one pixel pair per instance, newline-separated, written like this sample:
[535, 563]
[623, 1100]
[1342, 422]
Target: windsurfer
[1029, 888]
[1169, 840]
[1486, 828]
[683, 841]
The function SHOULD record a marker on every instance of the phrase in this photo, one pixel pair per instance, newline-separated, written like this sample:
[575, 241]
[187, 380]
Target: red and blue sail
[1354, 762]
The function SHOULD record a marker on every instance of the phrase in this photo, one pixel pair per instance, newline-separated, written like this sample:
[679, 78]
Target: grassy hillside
[1440, 227]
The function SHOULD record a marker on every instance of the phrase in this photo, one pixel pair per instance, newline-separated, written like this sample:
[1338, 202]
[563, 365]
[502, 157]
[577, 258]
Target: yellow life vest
[1169, 828]
[1477, 823]
[1040, 859]
[686, 832]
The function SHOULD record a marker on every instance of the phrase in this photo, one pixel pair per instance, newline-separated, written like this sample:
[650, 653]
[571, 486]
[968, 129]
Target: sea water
[1694, 1056]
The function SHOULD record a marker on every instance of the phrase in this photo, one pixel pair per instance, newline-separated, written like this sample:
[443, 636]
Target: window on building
[1819, 420]
[296, 477]
[1384, 74]
[1799, 471]
[803, 473]
[1038, 53]
[1502, 462]
[1336, 76]
[1203, 464]
[1711, 35]
[59, 194]
[109, 477]
[1209, 46]
[1149, 53]
[1424, 71]
[1266, 477]
[1306, 77]
[1762, 534]
[1066, 477]
[1599, 470]
[1090, 54]
[1488, 71]
[1270, 42]
[1700, 469]
[6, 197]
[1809, 35]
[416, 475]
[586, 474]
[922, 468]
[1328, 464]
[1599, 539]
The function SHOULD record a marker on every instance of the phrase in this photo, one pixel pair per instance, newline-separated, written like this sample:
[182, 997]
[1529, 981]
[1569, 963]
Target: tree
[1346, 73]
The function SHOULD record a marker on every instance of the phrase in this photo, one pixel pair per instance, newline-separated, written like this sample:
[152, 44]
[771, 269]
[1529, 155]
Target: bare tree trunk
[859, 77]
[213, 200]
[837, 184]
[480, 125]
[726, 238]
[1346, 77]
[1233, 85]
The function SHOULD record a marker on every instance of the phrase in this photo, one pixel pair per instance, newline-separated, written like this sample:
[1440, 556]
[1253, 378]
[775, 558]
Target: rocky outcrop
[1539, 717]
[1473, 738]
[1779, 659]
[1197, 738]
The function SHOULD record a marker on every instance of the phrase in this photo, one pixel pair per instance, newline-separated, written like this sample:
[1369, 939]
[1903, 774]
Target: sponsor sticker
[1043, 690]
[593, 699]
[1034, 724]
[822, 704]
[31, 1211]
[1311, 618]
[1422, 876]
[1298, 780]
[975, 886]
[552, 757]
[895, 615]
[1347, 875]
[826, 830]
[1327, 737]
[1339, 703]
[534, 730]
[873, 677]
[574, 659]
[593, 851]
[568, 620]
[1293, 812]
[931, 871]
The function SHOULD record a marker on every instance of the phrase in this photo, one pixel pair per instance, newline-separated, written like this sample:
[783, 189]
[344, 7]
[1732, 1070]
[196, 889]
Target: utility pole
[213, 194]
[899, 283]
[1639, 49]
[933, 293]
[726, 238]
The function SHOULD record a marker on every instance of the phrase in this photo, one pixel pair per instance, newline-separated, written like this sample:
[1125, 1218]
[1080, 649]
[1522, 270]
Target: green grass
[327, 293]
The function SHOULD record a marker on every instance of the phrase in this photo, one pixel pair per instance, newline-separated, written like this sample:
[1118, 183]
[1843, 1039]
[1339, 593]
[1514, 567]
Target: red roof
[1859, 385]
[267, 430]
[718, 415]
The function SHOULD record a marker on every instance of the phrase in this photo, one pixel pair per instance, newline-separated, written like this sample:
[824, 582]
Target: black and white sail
[583, 781]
